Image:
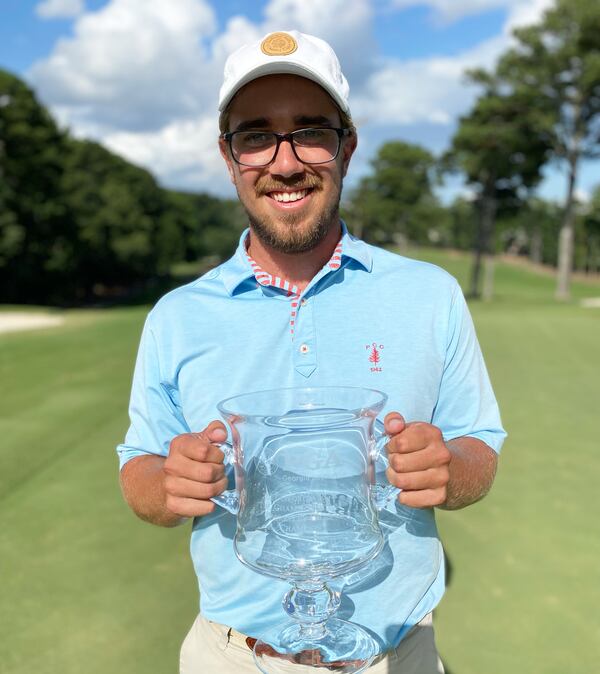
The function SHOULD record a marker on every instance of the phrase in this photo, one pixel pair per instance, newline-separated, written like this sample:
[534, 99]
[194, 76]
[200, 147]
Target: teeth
[288, 196]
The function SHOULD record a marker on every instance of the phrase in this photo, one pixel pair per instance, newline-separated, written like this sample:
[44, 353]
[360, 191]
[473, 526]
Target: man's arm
[472, 472]
[166, 491]
[431, 472]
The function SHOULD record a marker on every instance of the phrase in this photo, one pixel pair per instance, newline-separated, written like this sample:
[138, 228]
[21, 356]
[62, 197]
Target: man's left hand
[419, 462]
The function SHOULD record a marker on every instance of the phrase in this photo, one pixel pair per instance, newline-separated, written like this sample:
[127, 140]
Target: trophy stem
[311, 605]
[315, 638]
[312, 632]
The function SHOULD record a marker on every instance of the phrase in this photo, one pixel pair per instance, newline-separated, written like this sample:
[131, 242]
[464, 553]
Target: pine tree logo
[374, 356]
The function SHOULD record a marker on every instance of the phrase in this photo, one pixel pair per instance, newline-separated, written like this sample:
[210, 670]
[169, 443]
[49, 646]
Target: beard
[293, 233]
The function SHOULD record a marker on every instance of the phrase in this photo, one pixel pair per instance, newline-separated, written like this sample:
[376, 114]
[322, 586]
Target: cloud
[134, 64]
[185, 153]
[59, 9]
[434, 90]
[525, 13]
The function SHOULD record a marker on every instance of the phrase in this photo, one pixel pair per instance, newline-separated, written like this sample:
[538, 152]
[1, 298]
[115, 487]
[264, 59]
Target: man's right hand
[194, 471]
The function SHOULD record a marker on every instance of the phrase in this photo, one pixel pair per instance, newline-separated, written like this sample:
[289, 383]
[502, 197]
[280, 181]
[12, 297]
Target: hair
[345, 119]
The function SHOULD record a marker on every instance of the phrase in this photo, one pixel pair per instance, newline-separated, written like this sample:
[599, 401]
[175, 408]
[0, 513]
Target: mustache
[268, 184]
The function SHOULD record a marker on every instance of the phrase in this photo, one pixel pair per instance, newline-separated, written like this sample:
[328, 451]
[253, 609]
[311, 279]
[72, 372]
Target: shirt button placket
[305, 357]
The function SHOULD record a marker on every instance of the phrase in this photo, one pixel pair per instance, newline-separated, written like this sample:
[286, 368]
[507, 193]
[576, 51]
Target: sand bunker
[591, 303]
[13, 321]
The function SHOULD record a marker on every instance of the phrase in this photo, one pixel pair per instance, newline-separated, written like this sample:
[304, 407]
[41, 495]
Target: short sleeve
[466, 403]
[155, 416]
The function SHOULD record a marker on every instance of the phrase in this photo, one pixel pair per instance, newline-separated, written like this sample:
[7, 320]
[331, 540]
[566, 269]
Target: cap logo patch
[279, 44]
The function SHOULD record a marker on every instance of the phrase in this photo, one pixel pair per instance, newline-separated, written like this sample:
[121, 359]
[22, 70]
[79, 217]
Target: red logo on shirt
[374, 350]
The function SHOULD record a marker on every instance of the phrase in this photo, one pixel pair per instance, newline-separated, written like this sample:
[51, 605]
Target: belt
[311, 658]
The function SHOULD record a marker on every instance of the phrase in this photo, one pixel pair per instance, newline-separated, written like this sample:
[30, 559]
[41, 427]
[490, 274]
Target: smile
[286, 197]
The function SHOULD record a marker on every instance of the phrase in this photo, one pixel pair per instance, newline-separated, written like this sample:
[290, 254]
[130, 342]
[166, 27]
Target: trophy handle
[383, 492]
[229, 498]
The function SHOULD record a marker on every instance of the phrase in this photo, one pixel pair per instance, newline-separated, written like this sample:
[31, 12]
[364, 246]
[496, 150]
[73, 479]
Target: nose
[286, 163]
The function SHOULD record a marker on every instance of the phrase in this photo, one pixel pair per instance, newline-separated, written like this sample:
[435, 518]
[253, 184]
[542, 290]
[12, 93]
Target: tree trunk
[565, 261]
[475, 274]
[536, 246]
[489, 263]
[487, 217]
[566, 238]
[593, 256]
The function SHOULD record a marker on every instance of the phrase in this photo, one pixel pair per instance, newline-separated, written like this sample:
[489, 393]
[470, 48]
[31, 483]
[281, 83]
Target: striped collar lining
[263, 278]
[266, 279]
[237, 269]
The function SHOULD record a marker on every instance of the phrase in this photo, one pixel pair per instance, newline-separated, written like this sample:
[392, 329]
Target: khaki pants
[209, 648]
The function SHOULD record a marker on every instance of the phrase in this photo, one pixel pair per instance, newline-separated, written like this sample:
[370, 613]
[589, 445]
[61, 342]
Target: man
[303, 303]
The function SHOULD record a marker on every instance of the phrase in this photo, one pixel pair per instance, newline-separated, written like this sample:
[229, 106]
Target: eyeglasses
[310, 146]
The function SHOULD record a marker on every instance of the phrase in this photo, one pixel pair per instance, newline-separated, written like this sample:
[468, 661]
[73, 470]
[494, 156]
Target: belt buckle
[310, 658]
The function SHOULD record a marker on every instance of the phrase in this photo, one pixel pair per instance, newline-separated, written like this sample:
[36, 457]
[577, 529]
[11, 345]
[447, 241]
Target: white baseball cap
[290, 53]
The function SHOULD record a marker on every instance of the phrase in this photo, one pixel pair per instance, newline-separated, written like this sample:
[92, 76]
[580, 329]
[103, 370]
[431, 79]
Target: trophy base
[336, 646]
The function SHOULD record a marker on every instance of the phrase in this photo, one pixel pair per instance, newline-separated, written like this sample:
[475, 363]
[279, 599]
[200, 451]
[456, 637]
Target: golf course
[86, 588]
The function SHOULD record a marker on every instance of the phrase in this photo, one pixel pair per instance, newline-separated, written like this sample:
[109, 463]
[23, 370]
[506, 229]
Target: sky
[142, 76]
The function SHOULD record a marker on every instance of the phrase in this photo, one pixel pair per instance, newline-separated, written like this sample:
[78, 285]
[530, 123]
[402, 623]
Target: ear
[348, 146]
[224, 150]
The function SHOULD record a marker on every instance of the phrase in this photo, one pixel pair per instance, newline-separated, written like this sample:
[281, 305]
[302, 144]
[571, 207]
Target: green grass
[85, 587]
[525, 586]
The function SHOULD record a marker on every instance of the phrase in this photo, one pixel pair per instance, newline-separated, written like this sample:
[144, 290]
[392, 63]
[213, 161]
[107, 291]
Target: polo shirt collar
[356, 249]
[237, 269]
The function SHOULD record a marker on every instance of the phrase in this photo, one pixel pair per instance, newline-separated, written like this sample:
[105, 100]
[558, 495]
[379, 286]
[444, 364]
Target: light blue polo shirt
[225, 334]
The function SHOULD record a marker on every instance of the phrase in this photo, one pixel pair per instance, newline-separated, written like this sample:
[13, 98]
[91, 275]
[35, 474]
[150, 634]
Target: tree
[536, 223]
[117, 213]
[77, 221]
[397, 198]
[462, 227]
[35, 238]
[557, 65]
[210, 226]
[500, 146]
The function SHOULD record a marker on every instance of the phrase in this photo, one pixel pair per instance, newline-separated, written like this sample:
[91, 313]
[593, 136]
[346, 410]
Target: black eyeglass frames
[315, 145]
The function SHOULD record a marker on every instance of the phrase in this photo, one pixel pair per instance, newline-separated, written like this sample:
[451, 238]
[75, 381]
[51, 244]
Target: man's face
[284, 103]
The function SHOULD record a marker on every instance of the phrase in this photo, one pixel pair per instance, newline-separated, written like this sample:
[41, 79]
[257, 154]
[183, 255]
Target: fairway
[88, 588]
